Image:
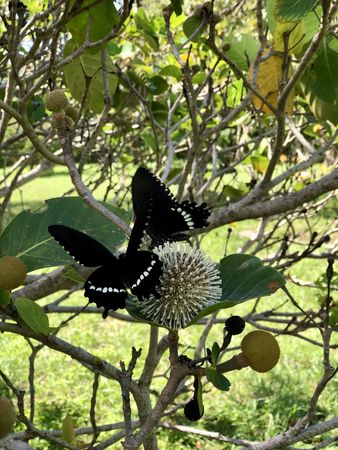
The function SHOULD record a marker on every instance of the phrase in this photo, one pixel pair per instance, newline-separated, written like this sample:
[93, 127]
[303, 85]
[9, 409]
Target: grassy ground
[257, 406]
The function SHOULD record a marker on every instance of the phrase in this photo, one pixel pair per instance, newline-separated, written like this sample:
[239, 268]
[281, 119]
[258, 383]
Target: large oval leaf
[243, 278]
[99, 16]
[27, 235]
[87, 68]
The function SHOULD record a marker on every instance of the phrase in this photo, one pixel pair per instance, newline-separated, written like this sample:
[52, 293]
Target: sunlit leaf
[68, 429]
[295, 33]
[199, 77]
[260, 163]
[269, 75]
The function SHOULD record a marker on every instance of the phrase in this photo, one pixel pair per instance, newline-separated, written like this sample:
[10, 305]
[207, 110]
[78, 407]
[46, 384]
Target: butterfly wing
[106, 288]
[105, 285]
[141, 273]
[168, 218]
[83, 248]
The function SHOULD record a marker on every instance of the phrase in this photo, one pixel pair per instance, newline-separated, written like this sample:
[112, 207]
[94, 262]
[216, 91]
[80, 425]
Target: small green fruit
[7, 417]
[72, 112]
[56, 100]
[13, 272]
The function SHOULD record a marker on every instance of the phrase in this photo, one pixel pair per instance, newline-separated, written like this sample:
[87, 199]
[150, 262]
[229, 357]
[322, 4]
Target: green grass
[257, 405]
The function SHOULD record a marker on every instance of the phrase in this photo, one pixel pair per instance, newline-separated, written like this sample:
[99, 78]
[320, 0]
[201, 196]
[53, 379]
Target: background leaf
[191, 24]
[87, 68]
[320, 83]
[242, 50]
[177, 6]
[33, 315]
[103, 16]
[293, 10]
[27, 235]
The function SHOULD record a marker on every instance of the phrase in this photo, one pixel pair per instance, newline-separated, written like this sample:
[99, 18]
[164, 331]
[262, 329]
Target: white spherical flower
[190, 282]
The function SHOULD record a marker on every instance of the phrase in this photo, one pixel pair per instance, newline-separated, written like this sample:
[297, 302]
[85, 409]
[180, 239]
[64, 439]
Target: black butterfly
[139, 271]
[158, 214]
[168, 219]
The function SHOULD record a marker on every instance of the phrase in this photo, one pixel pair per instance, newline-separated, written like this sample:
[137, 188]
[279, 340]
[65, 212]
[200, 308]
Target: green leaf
[243, 278]
[191, 24]
[159, 111]
[101, 16]
[198, 394]
[5, 297]
[293, 10]
[157, 85]
[270, 14]
[215, 351]
[232, 193]
[36, 109]
[113, 49]
[199, 77]
[68, 429]
[71, 274]
[87, 69]
[259, 163]
[33, 315]
[27, 235]
[333, 321]
[171, 71]
[320, 83]
[177, 6]
[151, 40]
[242, 51]
[217, 379]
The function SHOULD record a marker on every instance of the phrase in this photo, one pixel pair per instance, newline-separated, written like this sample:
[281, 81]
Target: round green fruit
[13, 272]
[72, 112]
[261, 350]
[56, 100]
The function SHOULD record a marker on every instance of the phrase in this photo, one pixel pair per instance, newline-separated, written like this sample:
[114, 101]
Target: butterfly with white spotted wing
[169, 219]
[139, 271]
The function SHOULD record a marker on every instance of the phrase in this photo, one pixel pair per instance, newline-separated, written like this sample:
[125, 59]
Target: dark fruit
[234, 325]
[192, 411]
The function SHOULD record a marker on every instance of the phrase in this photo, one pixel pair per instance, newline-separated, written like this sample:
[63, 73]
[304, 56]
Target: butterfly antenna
[229, 231]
